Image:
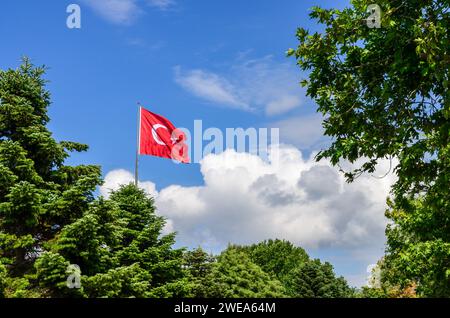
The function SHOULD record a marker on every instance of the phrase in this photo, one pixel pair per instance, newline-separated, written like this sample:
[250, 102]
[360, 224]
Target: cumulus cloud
[249, 85]
[115, 178]
[245, 199]
[319, 182]
[168, 228]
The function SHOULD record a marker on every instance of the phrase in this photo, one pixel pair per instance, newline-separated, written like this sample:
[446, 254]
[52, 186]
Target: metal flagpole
[138, 142]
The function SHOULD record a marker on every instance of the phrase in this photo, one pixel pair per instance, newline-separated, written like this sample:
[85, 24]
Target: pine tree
[142, 243]
[316, 280]
[200, 266]
[39, 195]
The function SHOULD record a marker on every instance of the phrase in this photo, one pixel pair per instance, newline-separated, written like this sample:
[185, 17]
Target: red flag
[159, 137]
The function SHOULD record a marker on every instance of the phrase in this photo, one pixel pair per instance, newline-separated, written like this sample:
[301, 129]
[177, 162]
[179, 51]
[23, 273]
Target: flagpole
[138, 139]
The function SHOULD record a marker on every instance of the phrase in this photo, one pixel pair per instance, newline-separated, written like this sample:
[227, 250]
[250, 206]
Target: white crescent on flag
[155, 134]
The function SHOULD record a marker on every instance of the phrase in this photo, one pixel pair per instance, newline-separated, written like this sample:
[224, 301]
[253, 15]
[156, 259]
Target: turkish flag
[159, 137]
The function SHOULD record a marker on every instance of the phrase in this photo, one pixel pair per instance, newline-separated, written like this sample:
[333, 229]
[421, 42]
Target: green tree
[39, 195]
[118, 245]
[383, 288]
[235, 275]
[313, 279]
[142, 242]
[200, 266]
[3, 285]
[418, 251]
[384, 94]
[277, 257]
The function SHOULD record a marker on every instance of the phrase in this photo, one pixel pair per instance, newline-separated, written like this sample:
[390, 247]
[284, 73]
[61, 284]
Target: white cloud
[115, 178]
[210, 87]
[168, 228]
[116, 11]
[249, 85]
[245, 200]
[283, 104]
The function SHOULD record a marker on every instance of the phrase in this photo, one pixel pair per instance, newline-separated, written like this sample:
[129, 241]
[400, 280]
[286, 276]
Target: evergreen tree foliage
[39, 194]
[316, 280]
[200, 266]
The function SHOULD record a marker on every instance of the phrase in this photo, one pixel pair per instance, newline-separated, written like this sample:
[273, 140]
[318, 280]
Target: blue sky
[188, 60]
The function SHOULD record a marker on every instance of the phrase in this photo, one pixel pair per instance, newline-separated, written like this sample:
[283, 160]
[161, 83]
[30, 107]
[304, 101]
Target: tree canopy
[39, 195]
[316, 280]
[235, 275]
[384, 94]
